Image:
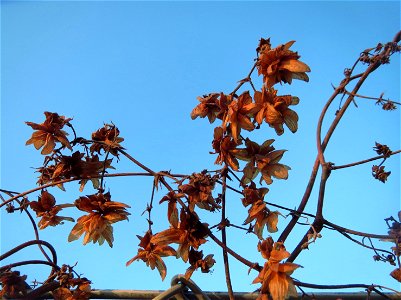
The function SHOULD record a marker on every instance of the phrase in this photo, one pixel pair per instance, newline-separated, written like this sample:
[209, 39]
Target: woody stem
[224, 234]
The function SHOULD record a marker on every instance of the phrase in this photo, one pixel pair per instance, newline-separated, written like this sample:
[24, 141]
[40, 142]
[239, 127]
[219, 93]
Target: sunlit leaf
[295, 66]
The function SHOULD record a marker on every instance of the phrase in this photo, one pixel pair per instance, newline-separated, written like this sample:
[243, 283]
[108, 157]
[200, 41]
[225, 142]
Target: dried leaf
[295, 66]
[272, 221]
[396, 274]
[291, 120]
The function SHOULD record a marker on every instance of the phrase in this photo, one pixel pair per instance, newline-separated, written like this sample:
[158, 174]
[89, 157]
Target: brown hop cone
[280, 64]
[389, 105]
[71, 288]
[190, 233]
[108, 140]
[212, 106]
[261, 158]
[382, 149]
[47, 209]
[151, 253]
[13, 284]
[225, 146]
[239, 113]
[275, 111]
[49, 133]
[379, 173]
[97, 224]
[262, 216]
[275, 276]
[253, 194]
[251, 153]
[197, 261]
[199, 191]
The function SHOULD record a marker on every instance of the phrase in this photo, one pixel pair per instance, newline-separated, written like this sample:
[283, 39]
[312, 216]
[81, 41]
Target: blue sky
[141, 65]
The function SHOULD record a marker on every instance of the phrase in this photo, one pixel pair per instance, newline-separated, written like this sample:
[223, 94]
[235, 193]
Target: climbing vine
[247, 167]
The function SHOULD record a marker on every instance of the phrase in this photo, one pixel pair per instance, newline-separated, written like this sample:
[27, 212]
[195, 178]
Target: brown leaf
[295, 66]
[291, 120]
[272, 220]
[161, 267]
[168, 236]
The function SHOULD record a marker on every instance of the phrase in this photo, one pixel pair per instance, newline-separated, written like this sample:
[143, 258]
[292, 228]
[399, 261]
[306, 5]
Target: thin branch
[104, 171]
[364, 245]
[371, 98]
[55, 183]
[354, 232]
[365, 161]
[236, 177]
[246, 79]
[149, 208]
[7, 191]
[27, 262]
[34, 242]
[234, 254]
[337, 91]
[137, 162]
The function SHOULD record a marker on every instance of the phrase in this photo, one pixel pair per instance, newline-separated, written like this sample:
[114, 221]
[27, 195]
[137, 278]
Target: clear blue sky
[142, 65]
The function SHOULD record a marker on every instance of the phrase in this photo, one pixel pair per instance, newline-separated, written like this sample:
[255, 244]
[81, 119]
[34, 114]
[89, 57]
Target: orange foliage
[97, 224]
[274, 276]
[49, 133]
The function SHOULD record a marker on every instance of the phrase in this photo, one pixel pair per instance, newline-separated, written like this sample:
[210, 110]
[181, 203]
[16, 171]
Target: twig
[364, 161]
[364, 245]
[354, 232]
[246, 79]
[55, 183]
[370, 98]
